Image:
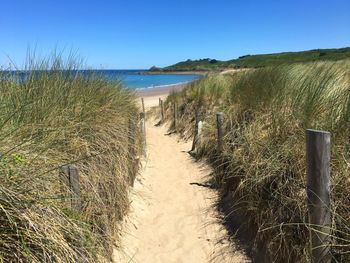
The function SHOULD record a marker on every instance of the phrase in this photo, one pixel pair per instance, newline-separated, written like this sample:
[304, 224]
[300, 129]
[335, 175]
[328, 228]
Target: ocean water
[134, 80]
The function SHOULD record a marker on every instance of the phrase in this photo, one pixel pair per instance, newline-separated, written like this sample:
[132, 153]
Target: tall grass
[266, 113]
[56, 115]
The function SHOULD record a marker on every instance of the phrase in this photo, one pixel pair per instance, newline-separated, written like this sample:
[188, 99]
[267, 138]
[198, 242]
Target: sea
[132, 79]
[139, 79]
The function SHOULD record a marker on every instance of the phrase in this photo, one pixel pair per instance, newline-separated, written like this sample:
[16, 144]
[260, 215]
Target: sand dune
[172, 219]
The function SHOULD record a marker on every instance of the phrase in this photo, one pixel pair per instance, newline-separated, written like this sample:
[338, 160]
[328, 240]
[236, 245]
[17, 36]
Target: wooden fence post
[175, 116]
[220, 128]
[143, 105]
[162, 111]
[70, 179]
[199, 135]
[318, 191]
[197, 132]
[143, 132]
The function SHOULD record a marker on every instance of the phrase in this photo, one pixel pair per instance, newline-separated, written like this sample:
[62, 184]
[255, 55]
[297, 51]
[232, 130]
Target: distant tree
[199, 68]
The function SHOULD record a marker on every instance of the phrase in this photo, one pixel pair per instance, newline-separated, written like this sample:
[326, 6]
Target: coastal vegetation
[257, 61]
[52, 115]
[261, 171]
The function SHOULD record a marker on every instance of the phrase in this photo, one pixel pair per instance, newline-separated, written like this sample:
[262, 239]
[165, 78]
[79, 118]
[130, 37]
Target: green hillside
[256, 61]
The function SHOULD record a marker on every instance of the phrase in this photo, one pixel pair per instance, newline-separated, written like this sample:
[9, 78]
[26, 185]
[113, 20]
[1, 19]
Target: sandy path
[171, 219]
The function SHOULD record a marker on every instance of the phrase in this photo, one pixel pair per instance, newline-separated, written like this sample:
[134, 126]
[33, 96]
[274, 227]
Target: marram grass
[53, 116]
[262, 168]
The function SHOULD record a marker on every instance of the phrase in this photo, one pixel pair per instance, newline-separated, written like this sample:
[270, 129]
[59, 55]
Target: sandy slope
[171, 218]
[231, 71]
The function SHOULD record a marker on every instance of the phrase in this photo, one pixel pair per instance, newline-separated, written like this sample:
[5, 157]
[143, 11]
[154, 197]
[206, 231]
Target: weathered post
[161, 111]
[159, 101]
[143, 132]
[70, 178]
[318, 191]
[199, 135]
[197, 132]
[131, 151]
[220, 128]
[175, 116]
[75, 187]
[143, 105]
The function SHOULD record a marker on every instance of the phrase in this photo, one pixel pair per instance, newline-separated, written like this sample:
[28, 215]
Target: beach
[153, 94]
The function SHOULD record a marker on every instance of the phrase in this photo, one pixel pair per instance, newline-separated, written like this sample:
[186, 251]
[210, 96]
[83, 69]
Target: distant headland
[203, 66]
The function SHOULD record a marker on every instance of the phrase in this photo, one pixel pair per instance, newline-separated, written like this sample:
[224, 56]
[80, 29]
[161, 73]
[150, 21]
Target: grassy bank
[261, 172]
[53, 116]
[260, 60]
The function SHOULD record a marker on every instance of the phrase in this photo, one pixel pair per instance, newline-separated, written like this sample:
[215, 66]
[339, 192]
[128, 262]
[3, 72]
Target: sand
[171, 217]
[232, 71]
[158, 92]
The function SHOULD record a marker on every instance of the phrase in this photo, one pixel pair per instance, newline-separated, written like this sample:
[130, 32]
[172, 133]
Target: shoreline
[164, 90]
[164, 86]
[203, 73]
[160, 90]
[152, 95]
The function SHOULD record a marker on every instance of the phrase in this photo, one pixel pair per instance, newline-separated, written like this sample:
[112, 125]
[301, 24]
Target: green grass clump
[262, 168]
[51, 116]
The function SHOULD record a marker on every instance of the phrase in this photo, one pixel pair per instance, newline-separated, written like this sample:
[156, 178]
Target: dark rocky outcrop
[155, 69]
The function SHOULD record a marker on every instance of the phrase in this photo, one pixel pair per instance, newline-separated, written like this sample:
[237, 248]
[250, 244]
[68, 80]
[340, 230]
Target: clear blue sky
[139, 34]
